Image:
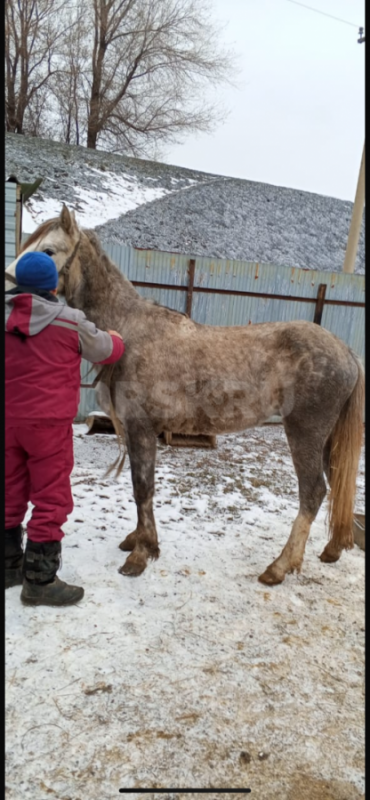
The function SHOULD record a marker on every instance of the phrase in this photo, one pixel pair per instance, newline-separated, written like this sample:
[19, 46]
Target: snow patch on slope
[114, 196]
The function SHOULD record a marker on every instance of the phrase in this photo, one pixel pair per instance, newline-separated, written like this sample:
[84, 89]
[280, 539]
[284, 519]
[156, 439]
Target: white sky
[298, 118]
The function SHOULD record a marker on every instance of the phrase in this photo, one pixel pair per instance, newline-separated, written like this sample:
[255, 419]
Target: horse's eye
[49, 252]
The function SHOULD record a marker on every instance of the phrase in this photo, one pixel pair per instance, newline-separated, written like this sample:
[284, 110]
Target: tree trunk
[11, 104]
[68, 131]
[11, 122]
[92, 136]
[101, 23]
[95, 101]
[23, 98]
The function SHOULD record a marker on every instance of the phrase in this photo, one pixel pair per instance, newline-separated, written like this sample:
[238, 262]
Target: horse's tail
[345, 449]
[107, 376]
[120, 433]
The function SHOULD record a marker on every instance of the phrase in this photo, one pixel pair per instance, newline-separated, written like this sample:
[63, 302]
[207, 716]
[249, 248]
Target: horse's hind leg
[307, 453]
[141, 445]
[332, 551]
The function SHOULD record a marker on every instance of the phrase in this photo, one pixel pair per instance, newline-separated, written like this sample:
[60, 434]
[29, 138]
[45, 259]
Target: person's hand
[115, 333]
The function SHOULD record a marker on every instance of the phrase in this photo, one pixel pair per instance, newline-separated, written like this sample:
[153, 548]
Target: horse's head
[59, 238]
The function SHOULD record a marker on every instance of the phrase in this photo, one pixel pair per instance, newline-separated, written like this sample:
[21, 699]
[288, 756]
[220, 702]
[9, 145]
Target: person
[44, 343]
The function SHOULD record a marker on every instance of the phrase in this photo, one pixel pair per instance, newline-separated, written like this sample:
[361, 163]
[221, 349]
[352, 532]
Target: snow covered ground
[98, 186]
[102, 201]
[193, 674]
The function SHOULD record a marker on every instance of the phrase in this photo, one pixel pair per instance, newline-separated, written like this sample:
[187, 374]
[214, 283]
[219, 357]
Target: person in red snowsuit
[44, 343]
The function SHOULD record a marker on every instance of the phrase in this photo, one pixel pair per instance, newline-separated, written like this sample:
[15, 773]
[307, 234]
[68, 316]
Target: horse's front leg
[141, 444]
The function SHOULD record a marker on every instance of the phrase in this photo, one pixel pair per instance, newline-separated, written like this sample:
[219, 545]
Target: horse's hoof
[270, 577]
[132, 568]
[329, 558]
[128, 544]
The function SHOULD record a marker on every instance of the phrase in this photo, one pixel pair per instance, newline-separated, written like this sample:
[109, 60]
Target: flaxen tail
[345, 449]
[106, 375]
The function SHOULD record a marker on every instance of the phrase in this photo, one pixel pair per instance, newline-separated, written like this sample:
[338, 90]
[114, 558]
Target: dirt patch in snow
[194, 674]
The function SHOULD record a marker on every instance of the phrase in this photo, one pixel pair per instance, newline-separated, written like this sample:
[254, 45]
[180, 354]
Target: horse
[179, 376]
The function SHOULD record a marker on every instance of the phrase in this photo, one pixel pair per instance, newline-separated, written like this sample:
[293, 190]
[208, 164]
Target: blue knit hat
[37, 270]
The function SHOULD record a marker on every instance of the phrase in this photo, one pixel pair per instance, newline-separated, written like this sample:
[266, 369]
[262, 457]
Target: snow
[38, 212]
[193, 674]
[28, 223]
[94, 207]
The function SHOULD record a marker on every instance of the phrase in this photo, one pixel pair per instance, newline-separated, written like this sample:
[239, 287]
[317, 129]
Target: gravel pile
[203, 214]
[64, 167]
[238, 219]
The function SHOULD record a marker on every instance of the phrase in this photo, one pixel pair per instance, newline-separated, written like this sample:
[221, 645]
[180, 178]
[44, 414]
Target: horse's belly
[200, 407]
[221, 414]
[219, 426]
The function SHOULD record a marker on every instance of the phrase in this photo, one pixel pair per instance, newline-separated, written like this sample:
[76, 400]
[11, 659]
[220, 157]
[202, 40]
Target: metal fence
[12, 221]
[223, 292]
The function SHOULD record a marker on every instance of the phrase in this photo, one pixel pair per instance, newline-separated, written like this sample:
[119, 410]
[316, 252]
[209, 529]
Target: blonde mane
[44, 228]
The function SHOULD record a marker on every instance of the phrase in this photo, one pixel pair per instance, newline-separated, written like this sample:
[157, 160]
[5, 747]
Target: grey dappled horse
[177, 375]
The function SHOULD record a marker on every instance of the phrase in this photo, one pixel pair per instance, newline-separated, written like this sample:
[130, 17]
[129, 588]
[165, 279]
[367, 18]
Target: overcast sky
[298, 118]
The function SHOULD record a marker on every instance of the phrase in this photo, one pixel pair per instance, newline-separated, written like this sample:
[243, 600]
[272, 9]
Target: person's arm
[100, 347]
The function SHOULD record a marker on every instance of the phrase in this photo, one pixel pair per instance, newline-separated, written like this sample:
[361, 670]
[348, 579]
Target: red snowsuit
[44, 343]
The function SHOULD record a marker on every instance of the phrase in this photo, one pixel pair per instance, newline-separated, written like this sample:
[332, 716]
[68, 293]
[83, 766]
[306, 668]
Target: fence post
[189, 296]
[356, 220]
[320, 303]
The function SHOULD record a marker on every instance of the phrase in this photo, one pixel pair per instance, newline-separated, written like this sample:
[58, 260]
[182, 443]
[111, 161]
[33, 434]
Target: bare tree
[32, 33]
[35, 121]
[151, 64]
[69, 86]
[130, 75]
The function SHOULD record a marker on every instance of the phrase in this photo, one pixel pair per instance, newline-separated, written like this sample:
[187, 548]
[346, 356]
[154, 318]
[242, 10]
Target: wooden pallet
[188, 440]
[99, 423]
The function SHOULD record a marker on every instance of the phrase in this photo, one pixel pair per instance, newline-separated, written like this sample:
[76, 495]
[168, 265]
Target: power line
[324, 13]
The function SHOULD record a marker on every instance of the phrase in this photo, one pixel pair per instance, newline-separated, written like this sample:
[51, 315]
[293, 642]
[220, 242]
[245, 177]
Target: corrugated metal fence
[223, 292]
[12, 221]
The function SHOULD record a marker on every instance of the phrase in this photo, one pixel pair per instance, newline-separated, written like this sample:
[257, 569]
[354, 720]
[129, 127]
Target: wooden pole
[355, 227]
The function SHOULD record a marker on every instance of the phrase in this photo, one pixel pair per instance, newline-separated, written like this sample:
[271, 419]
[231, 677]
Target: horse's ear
[67, 219]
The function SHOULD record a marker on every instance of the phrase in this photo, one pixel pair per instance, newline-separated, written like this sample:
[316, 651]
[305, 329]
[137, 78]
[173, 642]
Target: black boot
[13, 556]
[41, 587]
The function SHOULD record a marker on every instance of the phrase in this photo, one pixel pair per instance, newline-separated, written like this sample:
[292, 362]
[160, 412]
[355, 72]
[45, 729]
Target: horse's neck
[111, 301]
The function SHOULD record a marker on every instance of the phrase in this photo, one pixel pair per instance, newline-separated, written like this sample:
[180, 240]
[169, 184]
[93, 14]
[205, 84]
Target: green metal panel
[10, 222]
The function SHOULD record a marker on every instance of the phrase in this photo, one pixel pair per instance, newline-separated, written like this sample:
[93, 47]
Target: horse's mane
[167, 308]
[44, 228]
[101, 254]
[108, 263]
[95, 241]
